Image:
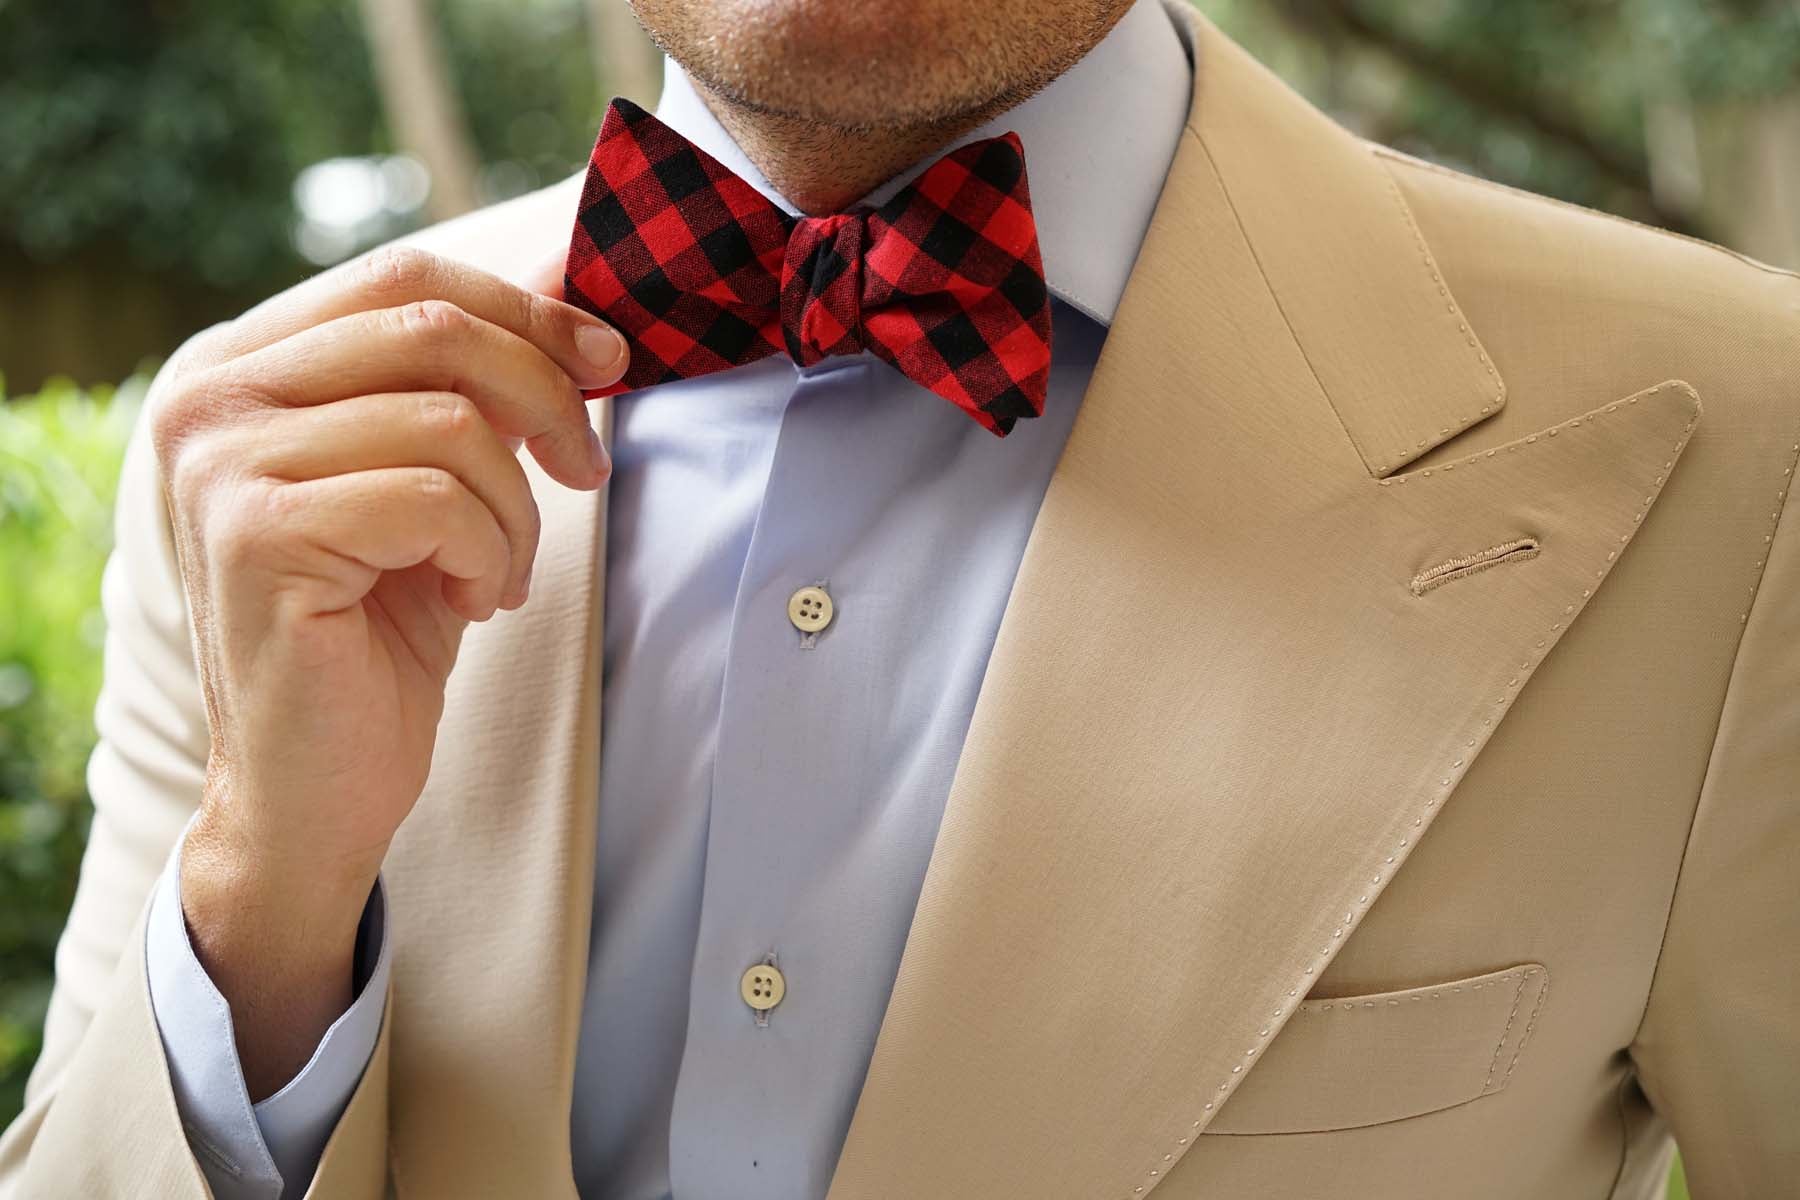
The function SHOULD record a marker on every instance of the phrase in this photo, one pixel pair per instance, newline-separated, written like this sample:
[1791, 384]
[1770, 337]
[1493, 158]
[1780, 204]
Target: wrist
[278, 943]
[294, 916]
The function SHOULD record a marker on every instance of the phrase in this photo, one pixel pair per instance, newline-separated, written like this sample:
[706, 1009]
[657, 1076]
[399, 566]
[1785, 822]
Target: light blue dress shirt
[766, 795]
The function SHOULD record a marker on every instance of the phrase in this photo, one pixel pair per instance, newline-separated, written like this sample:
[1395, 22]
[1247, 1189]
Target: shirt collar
[1098, 142]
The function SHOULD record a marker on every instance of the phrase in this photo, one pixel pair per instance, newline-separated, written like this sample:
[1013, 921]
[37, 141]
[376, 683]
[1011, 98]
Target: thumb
[545, 277]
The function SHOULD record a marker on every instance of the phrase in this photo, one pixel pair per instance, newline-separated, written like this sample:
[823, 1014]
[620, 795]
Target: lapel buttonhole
[1517, 550]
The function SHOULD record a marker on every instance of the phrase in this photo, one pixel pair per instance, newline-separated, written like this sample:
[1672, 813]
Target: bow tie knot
[700, 272]
[822, 287]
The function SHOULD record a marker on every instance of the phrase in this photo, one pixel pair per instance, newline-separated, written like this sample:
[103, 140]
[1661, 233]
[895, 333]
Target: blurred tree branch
[424, 115]
[625, 59]
[1492, 90]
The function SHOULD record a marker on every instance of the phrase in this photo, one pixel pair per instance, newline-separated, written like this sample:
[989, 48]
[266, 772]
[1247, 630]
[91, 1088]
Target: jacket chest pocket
[1351, 1061]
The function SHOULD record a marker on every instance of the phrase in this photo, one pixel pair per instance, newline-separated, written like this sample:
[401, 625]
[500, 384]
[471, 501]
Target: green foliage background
[59, 463]
[168, 133]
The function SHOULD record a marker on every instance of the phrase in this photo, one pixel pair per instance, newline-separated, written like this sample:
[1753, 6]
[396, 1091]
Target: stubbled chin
[846, 63]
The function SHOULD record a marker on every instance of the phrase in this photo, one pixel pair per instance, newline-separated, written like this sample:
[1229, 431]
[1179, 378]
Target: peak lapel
[1243, 666]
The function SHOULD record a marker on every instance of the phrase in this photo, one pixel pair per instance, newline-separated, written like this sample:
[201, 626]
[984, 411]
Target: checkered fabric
[701, 273]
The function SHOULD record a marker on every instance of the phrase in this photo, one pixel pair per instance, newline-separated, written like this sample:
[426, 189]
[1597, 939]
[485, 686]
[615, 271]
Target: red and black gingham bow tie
[701, 273]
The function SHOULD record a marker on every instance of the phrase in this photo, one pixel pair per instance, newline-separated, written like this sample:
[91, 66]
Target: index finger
[588, 350]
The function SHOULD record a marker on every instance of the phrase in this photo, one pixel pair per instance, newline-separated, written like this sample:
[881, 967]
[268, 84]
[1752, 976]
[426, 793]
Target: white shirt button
[810, 609]
[762, 987]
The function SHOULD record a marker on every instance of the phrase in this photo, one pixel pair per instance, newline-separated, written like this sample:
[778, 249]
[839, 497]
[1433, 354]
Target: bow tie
[702, 273]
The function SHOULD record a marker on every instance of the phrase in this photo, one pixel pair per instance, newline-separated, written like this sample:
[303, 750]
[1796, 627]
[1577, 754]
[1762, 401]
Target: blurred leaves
[170, 132]
[59, 461]
[167, 133]
[149, 152]
[528, 86]
[1564, 97]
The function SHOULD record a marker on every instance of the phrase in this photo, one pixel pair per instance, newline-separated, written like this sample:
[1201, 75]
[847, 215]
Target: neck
[824, 169]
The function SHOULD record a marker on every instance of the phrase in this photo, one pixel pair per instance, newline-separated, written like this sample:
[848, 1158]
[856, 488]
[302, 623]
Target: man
[1346, 745]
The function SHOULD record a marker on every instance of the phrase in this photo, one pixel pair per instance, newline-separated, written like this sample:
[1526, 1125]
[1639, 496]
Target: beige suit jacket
[1386, 782]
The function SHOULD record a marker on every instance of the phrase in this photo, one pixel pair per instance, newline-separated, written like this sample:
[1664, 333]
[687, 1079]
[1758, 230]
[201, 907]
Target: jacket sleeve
[100, 1117]
[1718, 1051]
[268, 1150]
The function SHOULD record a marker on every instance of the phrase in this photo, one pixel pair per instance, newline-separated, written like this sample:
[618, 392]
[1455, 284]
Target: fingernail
[602, 347]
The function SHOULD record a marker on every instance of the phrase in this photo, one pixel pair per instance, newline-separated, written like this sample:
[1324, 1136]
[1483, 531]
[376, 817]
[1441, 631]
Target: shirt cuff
[248, 1152]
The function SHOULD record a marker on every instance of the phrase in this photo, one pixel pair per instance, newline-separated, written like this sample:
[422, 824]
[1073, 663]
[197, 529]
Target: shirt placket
[764, 1007]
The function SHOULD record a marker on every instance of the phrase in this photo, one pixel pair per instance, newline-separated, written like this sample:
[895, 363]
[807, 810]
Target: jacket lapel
[1244, 664]
[492, 883]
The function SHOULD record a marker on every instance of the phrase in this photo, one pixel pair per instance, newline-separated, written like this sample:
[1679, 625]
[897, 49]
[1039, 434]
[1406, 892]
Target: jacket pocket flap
[1346, 1062]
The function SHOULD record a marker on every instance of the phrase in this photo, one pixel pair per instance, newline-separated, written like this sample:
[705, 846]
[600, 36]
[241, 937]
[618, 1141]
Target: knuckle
[396, 269]
[238, 532]
[202, 402]
[557, 321]
[209, 347]
[271, 506]
[447, 415]
[434, 487]
[169, 420]
[197, 466]
[431, 318]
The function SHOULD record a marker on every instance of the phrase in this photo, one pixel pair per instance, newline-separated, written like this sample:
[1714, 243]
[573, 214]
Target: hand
[340, 468]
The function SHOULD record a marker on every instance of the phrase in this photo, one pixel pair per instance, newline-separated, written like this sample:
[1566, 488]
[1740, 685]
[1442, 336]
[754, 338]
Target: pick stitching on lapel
[1217, 717]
